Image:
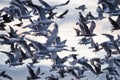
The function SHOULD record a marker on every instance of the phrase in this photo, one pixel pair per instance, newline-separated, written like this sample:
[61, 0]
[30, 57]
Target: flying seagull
[3, 74]
[33, 75]
[115, 25]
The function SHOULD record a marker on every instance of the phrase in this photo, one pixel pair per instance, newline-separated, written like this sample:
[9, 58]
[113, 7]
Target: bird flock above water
[23, 48]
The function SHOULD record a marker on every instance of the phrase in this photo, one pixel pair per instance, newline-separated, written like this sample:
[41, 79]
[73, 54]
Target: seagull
[97, 65]
[53, 36]
[50, 8]
[33, 75]
[59, 61]
[12, 33]
[26, 47]
[85, 40]
[74, 56]
[95, 46]
[109, 7]
[113, 42]
[59, 43]
[3, 74]
[90, 16]
[82, 18]
[115, 25]
[87, 31]
[13, 60]
[106, 47]
[51, 16]
[22, 12]
[85, 63]
[23, 55]
[110, 37]
[42, 50]
[42, 15]
[100, 13]
[82, 7]
[73, 49]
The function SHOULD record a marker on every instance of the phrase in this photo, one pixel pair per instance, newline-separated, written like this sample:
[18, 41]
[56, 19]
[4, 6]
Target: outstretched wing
[114, 23]
[53, 36]
[38, 71]
[30, 70]
[111, 38]
[63, 3]
[11, 56]
[92, 27]
[44, 3]
[62, 15]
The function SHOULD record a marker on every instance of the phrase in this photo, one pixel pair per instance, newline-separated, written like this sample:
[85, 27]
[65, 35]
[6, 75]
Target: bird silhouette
[3, 74]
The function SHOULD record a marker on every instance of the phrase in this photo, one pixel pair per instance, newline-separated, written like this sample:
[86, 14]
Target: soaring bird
[13, 60]
[53, 36]
[3, 74]
[84, 62]
[100, 13]
[59, 43]
[82, 18]
[42, 14]
[110, 37]
[90, 16]
[115, 25]
[33, 75]
[49, 7]
[87, 31]
[81, 7]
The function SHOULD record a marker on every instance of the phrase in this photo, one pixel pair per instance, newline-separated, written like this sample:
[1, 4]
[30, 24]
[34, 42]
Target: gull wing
[6, 75]
[114, 23]
[11, 56]
[37, 45]
[92, 27]
[118, 20]
[30, 70]
[12, 32]
[53, 36]
[63, 4]
[87, 65]
[111, 38]
[86, 29]
[38, 71]
[107, 6]
[44, 3]
[62, 15]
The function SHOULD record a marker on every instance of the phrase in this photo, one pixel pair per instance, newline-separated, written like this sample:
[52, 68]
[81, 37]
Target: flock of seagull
[23, 48]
